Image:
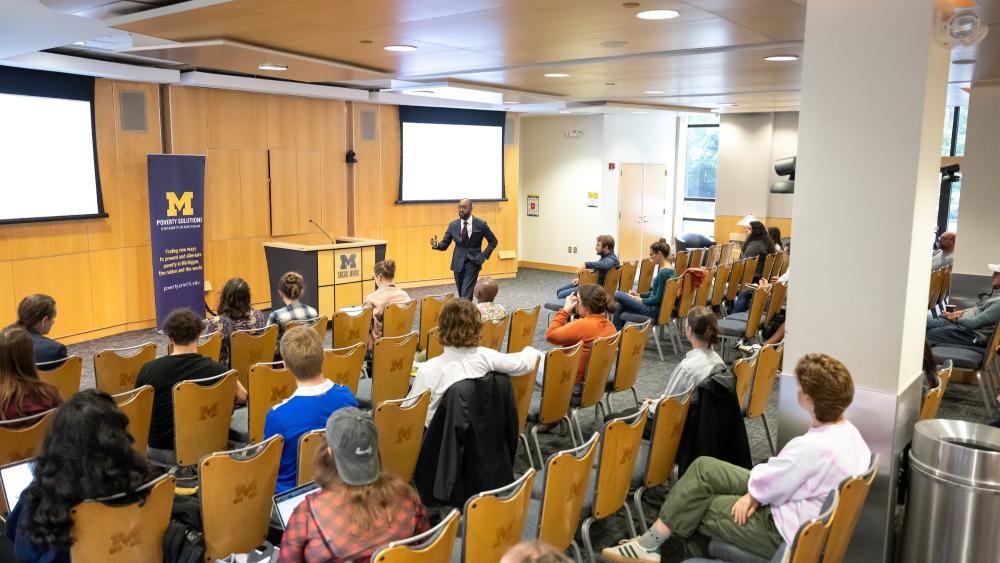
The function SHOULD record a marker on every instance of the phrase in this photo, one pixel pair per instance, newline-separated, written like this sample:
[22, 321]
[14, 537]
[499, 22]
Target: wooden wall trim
[546, 266]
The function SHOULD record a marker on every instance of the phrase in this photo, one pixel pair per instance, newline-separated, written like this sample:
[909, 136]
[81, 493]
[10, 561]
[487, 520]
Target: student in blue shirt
[313, 401]
[647, 304]
[605, 249]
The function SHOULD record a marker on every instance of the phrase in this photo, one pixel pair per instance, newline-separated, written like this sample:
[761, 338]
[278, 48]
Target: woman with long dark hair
[359, 508]
[758, 244]
[87, 454]
[235, 313]
[36, 314]
[22, 393]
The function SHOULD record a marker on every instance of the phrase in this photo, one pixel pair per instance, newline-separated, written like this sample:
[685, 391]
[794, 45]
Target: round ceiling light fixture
[556, 75]
[781, 58]
[658, 14]
[271, 66]
[965, 29]
[400, 48]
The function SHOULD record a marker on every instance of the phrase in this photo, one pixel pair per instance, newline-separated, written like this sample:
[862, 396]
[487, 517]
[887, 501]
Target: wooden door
[654, 212]
[630, 202]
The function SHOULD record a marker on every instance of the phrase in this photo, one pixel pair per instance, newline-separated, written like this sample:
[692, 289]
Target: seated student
[702, 331]
[485, 293]
[378, 300]
[647, 304]
[36, 314]
[590, 305]
[463, 357]
[969, 327]
[759, 509]
[235, 313]
[22, 393]
[756, 244]
[314, 400]
[290, 288]
[182, 328]
[774, 233]
[944, 255]
[359, 508]
[87, 454]
[605, 248]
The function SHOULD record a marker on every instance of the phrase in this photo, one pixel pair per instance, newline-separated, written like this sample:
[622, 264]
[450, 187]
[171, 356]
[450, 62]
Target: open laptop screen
[15, 478]
[286, 502]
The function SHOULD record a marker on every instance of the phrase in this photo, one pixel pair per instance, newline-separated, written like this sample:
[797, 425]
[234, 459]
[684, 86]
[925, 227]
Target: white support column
[873, 97]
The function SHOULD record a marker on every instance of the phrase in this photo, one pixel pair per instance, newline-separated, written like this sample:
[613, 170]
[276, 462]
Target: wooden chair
[434, 346]
[21, 438]
[680, 263]
[696, 257]
[779, 291]
[319, 324]
[719, 285]
[661, 450]
[309, 444]
[523, 323]
[701, 294]
[664, 318]
[627, 278]
[934, 289]
[743, 370]
[210, 345]
[714, 253]
[735, 278]
[983, 363]
[430, 310]
[630, 352]
[852, 493]
[615, 465]
[684, 304]
[351, 328]
[749, 271]
[561, 365]
[63, 374]
[236, 491]
[491, 335]
[946, 283]
[768, 266]
[392, 363]
[343, 366]
[611, 280]
[739, 326]
[726, 256]
[603, 351]
[645, 280]
[116, 369]
[524, 386]
[397, 318]
[566, 478]
[812, 536]
[115, 533]
[137, 405]
[587, 276]
[433, 546]
[201, 416]
[250, 347]
[768, 360]
[494, 520]
[400, 424]
[270, 384]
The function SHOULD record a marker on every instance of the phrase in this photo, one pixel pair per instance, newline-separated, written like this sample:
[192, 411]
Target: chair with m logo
[434, 346]
[270, 384]
[658, 455]
[522, 328]
[210, 345]
[560, 370]
[494, 520]
[116, 369]
[433, 546]
[430, 310]
[397, 319]
[602, 357]
[21, 438]
[137, 405]
[64, 374]
[124, 533]
[236, 491]
[309, 444]
[400, 424]
[202, 411]
[392, 363]
[630, 351]
[319, 324]
[343, 365]
[249, 347]
[491, 335]
[350, 329]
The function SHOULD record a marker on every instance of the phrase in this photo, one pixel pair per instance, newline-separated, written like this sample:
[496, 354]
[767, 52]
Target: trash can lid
[958, 451]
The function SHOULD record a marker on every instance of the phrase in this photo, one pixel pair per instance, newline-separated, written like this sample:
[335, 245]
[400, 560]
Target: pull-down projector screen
[47, 149]
[450, 154]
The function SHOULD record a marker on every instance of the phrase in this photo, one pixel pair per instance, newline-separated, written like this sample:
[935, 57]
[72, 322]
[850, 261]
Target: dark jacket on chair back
[470, 444]
[714, 425]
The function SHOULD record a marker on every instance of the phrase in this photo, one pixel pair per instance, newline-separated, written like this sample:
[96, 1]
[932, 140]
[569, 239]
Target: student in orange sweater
[589, 303]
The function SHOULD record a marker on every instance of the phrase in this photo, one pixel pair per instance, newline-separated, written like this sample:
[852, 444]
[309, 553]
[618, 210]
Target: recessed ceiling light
[726, 105]
[658, 14]
[565, 111]
[556, 75]
[511, 102]
[781, 58]
[615, 44]
[422, 92]
[400, 48]
[654, 92]
[639, 112]
[963, 61]
[269, 66]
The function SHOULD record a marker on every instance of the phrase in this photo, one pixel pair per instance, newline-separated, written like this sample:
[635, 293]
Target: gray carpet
[961, 401]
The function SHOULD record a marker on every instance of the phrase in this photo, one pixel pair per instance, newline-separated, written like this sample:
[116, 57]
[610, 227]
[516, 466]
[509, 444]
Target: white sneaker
[751, 349]
[629, 550]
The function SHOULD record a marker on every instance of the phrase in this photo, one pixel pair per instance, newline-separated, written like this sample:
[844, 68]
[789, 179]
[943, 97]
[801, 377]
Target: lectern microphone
[323, 231]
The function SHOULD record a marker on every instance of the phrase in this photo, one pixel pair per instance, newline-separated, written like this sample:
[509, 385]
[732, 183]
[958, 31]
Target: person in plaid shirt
[359, 508]
[290, 288]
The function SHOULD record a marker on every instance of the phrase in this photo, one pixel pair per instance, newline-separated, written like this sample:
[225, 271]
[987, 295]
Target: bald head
[947, 241]
[486, 289]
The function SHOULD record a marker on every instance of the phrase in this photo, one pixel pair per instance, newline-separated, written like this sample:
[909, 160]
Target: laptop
[14, 478]
[285, 503]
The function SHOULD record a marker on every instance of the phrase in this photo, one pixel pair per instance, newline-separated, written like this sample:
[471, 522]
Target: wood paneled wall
[726, 224]
[100, 272]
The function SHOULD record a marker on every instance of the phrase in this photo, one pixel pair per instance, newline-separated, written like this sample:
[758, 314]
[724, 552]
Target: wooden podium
[335, 275]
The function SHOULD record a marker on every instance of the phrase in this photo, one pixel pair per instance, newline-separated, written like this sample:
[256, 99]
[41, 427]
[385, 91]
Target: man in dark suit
[468, 233]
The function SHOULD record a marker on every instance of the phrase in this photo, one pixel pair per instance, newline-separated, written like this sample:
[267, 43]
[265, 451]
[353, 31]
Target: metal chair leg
[987, 400]
[767, 432]
[631, 523]
[585, 533]
[637, 497]
[538, 446]
[527, 449]
[575, 421]
[635, 396]
[569, 423]
[576, 552]
[656, 339]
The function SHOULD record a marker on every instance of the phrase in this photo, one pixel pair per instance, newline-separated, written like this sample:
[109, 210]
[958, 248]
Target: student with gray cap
[359, 508]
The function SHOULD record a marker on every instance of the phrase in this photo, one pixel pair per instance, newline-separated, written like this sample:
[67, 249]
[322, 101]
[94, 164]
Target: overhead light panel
[654, 92]
[400, 48]
[446, 92]
[556, 75]
[658, 14]
[781, 58]
[270, 66]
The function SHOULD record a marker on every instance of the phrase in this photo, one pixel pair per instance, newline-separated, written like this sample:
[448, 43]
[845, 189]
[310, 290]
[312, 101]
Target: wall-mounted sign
[592, 199]
[532, 205]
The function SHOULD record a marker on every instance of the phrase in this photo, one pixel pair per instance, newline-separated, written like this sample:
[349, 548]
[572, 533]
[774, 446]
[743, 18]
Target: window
[952, 144]
[953, 139]
[701, 164]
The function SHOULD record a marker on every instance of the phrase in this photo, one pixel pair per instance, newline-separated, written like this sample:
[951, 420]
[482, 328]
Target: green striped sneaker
[629, 550]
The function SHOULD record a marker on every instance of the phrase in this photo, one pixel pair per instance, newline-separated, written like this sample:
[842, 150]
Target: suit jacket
[714, 425]
[470, 444]
[378, 300]
[470, 251]
[46, 349]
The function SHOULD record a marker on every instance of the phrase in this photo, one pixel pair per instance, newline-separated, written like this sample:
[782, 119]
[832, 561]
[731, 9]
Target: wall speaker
[368, 125]
[132, 108]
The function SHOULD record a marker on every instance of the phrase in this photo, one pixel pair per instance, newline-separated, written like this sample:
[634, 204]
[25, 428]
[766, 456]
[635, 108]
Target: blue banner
[176, 222]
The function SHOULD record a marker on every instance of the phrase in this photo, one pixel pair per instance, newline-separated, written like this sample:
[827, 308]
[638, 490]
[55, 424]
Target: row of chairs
[940, 288]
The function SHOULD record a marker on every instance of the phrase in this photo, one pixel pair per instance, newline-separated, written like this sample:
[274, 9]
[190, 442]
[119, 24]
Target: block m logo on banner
[348, 261]
[182, 204]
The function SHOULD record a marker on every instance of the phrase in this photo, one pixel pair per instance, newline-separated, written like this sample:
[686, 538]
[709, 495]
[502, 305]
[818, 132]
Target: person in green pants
[759, 509]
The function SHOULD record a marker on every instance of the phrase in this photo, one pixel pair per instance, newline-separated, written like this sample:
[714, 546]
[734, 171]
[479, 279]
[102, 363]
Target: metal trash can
[953, 513]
